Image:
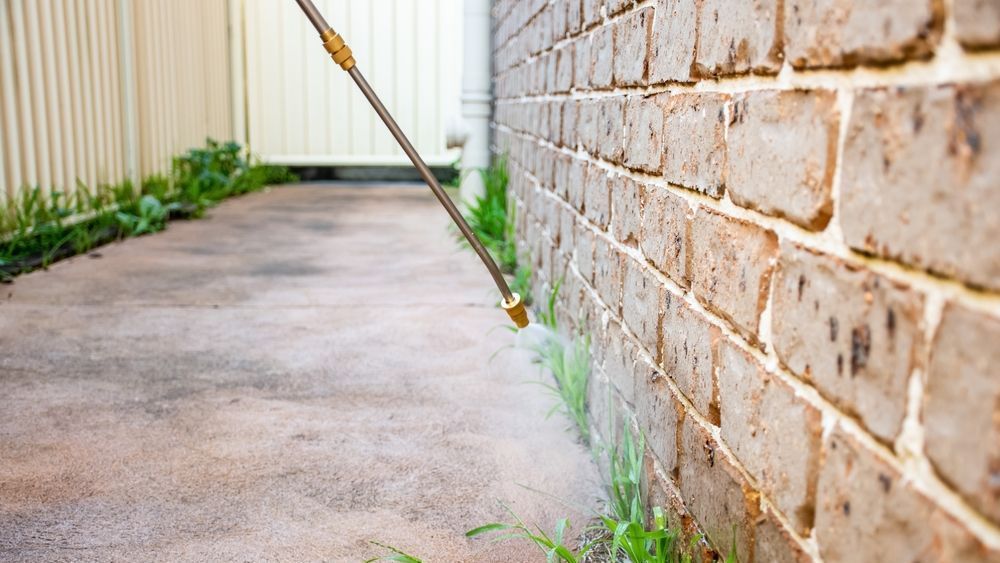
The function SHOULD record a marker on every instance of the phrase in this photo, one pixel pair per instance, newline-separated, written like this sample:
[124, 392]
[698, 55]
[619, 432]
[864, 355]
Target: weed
[553, 546]
[394, 555]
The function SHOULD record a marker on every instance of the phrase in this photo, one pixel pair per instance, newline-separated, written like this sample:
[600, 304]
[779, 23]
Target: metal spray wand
[343, 56]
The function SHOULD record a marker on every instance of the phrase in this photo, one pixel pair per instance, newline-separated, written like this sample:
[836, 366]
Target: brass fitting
[338, 49]
[515, 308]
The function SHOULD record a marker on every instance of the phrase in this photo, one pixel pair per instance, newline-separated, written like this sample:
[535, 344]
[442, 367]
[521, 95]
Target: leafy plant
[394, 555]
[149, 216]
[553, 546]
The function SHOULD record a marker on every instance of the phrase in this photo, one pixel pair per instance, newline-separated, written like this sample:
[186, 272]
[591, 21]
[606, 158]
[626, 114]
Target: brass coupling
[338, 49]
[515, 308]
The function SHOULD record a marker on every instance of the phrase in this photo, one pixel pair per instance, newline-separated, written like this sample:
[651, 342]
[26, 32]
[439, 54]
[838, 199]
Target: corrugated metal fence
[96, 91]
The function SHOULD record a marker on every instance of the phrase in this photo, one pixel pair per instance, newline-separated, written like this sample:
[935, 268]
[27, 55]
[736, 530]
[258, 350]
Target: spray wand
[343, 56]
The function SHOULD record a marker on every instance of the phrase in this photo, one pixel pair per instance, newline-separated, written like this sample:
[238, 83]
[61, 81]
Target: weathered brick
[737, 37]
[689, 354]
[619, 362]
[591, 12]
[598, 197]
[644, 132]
[823, 34]
[588, 125]
[581, 62]
[608, 270]
[615, 6]
[919, 178]
[602, 54]
[782, 153]
[569, 123]
[576, 183]
[663, 235]
[774, 433]
[773, 543]
[567, 231]
[977, 23]
[715, 492]
[560, 23]
[730, 262]
[611, 133]
[859, 491]
[962, 406]
[695, 161]
[574, 16]
[631, 45]
[854, 334]
[626, 210]
[641, 298]
[564, 69]
[656, 412]
[555, 122]
[585, 251]
[673, 41]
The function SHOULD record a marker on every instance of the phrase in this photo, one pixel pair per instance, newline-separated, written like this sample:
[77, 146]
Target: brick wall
[780, 222]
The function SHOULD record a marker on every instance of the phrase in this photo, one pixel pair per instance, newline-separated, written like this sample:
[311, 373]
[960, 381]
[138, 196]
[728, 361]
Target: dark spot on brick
[802, 285]
[886, 163]
[840, 364]
[890, 322]
[710, 451]
[861, 343]
[847, 508]
[886, 481]
[834, 326]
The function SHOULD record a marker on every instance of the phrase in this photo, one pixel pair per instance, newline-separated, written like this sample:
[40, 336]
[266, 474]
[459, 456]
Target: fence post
[237, 72]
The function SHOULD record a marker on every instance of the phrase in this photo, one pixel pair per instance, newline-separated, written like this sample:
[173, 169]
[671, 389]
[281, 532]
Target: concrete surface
[302, 372]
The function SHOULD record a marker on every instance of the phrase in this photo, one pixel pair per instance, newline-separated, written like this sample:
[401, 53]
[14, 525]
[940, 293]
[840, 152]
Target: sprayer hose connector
[338, 49]
[515, 308]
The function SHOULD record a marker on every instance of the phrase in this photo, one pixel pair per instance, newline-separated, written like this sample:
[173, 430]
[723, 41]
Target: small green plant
[148, 216]
[395, 554]
[553, 546]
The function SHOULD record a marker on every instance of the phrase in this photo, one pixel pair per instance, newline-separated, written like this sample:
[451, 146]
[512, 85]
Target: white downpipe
[477, 96]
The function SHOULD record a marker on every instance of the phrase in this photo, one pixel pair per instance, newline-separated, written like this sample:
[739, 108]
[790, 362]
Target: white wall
[303, 109]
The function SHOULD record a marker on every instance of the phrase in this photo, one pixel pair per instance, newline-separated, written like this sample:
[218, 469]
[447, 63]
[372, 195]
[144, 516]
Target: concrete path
[302, 372]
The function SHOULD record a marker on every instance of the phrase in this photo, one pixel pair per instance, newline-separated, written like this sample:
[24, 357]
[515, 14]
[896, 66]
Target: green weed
[553, 546]
[394, 555]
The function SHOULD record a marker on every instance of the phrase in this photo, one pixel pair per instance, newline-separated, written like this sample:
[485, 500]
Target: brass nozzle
[338, 49]
[515, 308]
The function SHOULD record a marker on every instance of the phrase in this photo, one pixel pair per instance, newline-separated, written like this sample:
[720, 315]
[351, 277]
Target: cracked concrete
[302, 372]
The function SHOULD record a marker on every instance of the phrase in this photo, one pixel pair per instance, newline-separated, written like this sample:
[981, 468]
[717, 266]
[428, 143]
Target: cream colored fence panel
[96, 91]
[303, 110]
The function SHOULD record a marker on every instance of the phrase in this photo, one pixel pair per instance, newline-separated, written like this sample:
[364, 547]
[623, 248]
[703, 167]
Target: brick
[615, 6]
[977, 23]
[626, 210]
[581, 62]
[570, 110]
[919, 179]
[656, 413]
[567, 231]
[663, 235]
[560, 23]
[672, 45]
[644, 132]
[730, 266]
[564, 69]
[611, 130]
[608, 269]
[591, 12]
[858, 490]
[659, 490]
[782, 154]
[962, 406]
[689, 354]
[631, 44]
[641, 298]
[587, 126]
[576, 183]
[619, 362]
[825, 34]
[555, 122]
[715, 492]
[574, 16]
[855, 335]
[585, 251]
[774, 433]
[694, 138]
[737, 38]
[602, 57]
[773, 543]
[597, 197]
